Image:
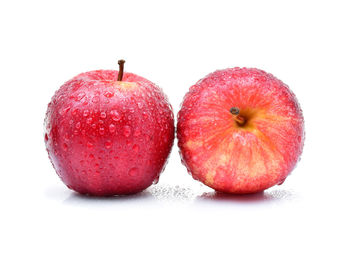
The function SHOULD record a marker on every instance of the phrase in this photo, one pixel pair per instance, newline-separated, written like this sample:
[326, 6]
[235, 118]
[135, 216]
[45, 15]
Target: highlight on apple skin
[108, 132]
[240, 130]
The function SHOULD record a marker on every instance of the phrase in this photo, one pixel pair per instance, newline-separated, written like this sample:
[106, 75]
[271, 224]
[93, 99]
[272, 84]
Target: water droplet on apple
[156, 180]
[75, 111]
[140, 105]
[112, 128]
[78, 125]
[89, 121]
[186, 133]
[79, 96]
[108, 94]
[103, 115]
[133, 172]
[64, 110]
[89, 145]
[86, 113]
[126, 131]
[115, 115]
[281, 182]
[46, 137]
[101, 131]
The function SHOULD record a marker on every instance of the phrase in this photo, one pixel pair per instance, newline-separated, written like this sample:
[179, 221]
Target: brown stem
[121, 70]
[238, 118]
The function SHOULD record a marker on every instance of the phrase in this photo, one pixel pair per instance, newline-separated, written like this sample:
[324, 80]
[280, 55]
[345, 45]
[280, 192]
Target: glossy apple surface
[108, 137]
[240, 130]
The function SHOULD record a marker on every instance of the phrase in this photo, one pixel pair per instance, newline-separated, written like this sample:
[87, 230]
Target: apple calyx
[238, 118]
[121, 70]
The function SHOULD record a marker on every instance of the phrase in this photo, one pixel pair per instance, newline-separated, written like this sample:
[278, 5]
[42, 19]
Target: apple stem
[121, 70]
[238, 118]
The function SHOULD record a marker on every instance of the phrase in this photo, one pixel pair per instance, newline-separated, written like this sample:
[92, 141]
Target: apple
[240, 130]
[109, 132]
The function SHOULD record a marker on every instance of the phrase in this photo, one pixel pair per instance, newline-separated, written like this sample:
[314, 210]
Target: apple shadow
[76, 199]
[167, 193]
[260, 197]
[155, 193]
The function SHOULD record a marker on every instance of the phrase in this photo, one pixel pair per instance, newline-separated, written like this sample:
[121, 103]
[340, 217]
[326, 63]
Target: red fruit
[105, 136]
[240, 130]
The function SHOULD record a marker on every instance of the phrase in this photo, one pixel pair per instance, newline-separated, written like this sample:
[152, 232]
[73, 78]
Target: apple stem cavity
[121, 70]
[238, 118]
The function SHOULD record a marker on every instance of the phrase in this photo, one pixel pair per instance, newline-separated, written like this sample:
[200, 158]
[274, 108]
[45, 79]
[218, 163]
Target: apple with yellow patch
[240, 130]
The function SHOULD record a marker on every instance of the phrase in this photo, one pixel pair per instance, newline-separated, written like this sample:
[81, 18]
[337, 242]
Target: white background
[175, 43]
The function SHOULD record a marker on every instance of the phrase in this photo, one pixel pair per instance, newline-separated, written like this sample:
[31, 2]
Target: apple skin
[107, 137]
[240, 159]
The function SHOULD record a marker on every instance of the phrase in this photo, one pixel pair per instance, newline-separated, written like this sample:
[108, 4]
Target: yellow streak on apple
[246, 165]
[126, 85]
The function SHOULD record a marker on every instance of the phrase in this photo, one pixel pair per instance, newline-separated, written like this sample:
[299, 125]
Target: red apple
[240, 130]
[109, 133]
